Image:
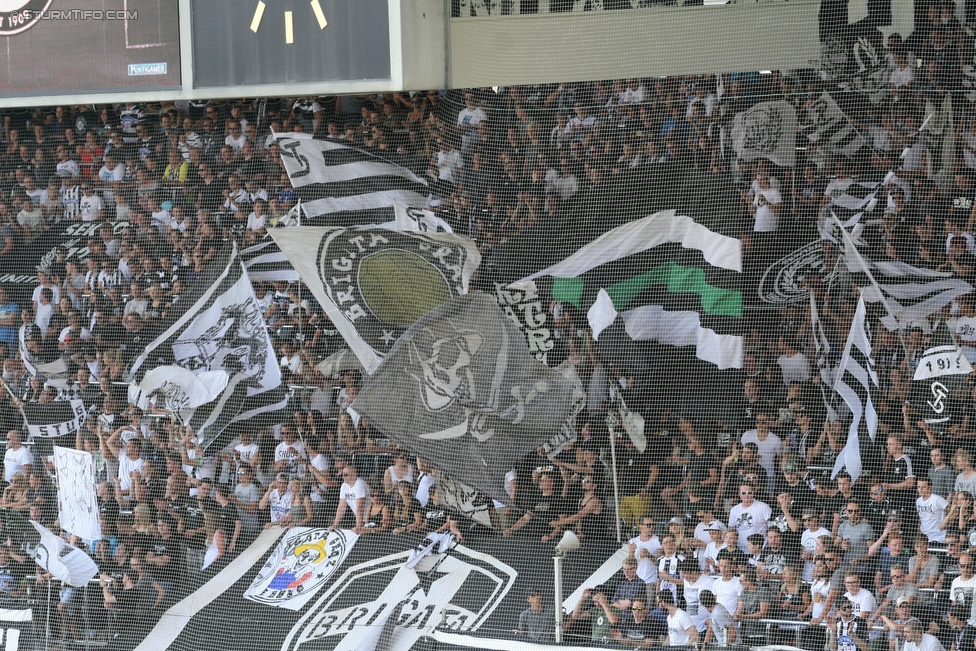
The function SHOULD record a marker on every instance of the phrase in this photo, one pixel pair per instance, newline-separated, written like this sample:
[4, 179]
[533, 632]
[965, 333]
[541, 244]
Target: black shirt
[172, 547]
[543, 510]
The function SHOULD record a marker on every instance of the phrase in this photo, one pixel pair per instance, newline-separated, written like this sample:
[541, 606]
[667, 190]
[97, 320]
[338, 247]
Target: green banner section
[677, 279]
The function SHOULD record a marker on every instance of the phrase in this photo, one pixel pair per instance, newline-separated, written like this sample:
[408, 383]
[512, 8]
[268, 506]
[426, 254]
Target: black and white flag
[905, 295]
[461, 389]
[218, 325]
[54, 372]
[855, 380]
[374, 283]
[54, 419]
[854, 206]
[266, 262]
[341, 185]
[767, 130]
[825, 124]
[525, 308]
[409, 218]
[940, 370]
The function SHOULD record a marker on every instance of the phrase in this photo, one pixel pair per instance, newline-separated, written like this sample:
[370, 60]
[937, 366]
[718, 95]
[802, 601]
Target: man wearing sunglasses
[963, 586]
[636, 630]
[749, 516]
[854, 535]
[845, 629]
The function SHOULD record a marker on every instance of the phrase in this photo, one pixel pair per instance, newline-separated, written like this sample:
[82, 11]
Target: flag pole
[613, 466]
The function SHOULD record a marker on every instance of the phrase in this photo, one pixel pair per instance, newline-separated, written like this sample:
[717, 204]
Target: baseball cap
[676, 520]
[789, 466]
[715, 526]
[903, 600]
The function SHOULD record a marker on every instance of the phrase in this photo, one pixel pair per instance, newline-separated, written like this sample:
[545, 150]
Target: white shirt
[931, 512]
[863, 601]
[795, 368]
[647, 567]
[91, 207]
[698, 614]
[961, 590]
[279, 504]
[727, 592]
[748, 521]
[701, 530]
[292, 455]
[14, 462]
[470, 117]
[808, 541]
[766, 219]
[127, 465]
[678, 625]
[928, 643]
[818, 593]
[352, 492]
[768, 451]
[711, 551]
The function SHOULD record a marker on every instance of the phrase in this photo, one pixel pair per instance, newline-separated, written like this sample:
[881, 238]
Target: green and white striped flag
[668, 278]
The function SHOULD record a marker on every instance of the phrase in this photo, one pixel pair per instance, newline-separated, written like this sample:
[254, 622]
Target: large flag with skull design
[462, 390]
[374, 283]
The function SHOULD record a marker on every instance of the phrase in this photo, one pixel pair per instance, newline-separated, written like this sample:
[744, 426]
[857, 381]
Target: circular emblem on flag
[782, 282]
[301, 564]
[846, 643]
[399, 287]
[19, 15]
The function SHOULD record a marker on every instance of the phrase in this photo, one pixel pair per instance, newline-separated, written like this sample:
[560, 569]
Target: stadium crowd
[731, 514]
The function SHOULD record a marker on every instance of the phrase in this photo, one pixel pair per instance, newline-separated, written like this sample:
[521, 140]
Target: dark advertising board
[289, 41]
[68, 46]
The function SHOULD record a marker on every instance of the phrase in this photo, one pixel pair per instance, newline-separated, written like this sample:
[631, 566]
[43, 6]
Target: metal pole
[616, 487]
[557, 571]
[47, 623]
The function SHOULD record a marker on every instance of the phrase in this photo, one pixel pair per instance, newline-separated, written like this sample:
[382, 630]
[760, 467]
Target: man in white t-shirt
[808, 541]
[931, 510]
[646, 548]
[91, 203]
[471, 115]
[749, 516]
[694, 582]
[962, 587]
[17, 458]
[110, 178]
[766, 206]
[795, 365]
[863, 601]
[681, 629]
[727, 587]
[290, 454]
[916, 640]
[770, 446]
[354, 497]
